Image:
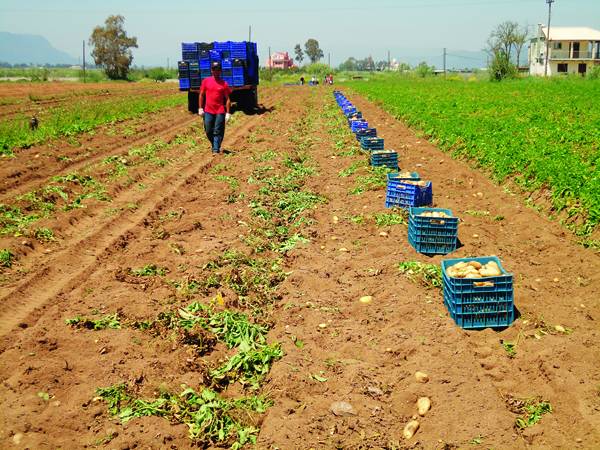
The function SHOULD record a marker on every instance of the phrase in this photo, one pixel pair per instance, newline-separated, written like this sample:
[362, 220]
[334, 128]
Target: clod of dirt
[374, 391]
[342, 409]
[343, 249]
[336, 219]
[410, 429]
[423, 405]
[383, 234]
[421, 377]
[560, 328]
[366, 299]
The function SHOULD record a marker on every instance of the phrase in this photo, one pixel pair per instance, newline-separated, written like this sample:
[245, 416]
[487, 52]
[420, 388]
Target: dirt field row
[188, 216]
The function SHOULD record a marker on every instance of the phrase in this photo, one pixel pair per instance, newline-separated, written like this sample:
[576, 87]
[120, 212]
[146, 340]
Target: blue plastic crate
[189, 46]
[204, 64]
[384, 158]
[184, 84]
[228, 80]
[238, 81]
[403, 194]
[432, 235]
[215, 55]
[358, 124]
[476, 303]
[396, 177]
[189, 56]
[372, 143]
[238, 71]
[205, 73]
[226, 63]
[222, 45]
[367, 132]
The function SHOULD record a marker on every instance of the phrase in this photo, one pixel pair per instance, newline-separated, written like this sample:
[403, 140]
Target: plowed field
[286, 228]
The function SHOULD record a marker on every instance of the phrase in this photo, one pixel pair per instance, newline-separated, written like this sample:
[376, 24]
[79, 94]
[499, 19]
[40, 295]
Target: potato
[423, 405]
[421, 377]
[474, 269]
[410, 429]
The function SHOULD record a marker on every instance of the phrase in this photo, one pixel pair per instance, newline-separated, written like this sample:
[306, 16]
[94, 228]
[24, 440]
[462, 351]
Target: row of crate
[473, 303]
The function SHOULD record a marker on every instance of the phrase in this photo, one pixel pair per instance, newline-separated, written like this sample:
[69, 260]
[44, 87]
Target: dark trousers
[214, 125]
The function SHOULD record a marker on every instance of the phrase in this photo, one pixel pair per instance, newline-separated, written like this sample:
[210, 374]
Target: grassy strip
[77, 118]
[511, 129]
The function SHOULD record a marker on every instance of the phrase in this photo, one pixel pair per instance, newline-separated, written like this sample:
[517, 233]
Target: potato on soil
[410, 429]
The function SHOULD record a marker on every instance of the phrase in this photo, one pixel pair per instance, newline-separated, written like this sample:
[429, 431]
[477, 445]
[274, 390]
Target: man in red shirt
[214, 106]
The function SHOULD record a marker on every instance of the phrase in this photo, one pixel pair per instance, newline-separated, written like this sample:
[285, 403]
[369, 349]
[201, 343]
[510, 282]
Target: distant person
[301, 81]
[331, 79]
[215, 105]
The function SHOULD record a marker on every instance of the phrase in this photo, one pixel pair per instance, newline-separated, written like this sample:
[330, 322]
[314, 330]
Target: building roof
[572, 34]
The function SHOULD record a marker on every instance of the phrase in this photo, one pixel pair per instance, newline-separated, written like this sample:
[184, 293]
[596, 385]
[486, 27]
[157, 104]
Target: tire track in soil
[69, 267]
[33, 176]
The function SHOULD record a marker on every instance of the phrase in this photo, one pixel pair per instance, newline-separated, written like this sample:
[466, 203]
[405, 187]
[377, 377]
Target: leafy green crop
[544, 134]
[429, 275]
[110, 321]
[150, 270]
[78, 117]
[211, 419]
[6, 258]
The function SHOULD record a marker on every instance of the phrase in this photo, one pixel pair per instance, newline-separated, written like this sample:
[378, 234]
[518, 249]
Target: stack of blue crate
[184, 75]
[239, 62]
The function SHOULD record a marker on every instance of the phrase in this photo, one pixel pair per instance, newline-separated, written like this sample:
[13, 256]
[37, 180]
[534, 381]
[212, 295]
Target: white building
[571, 50]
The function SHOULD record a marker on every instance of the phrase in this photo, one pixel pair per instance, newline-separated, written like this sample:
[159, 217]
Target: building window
[557, 45]
[563, 68]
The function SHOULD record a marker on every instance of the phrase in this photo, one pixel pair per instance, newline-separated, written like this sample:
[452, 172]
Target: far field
[156, 296]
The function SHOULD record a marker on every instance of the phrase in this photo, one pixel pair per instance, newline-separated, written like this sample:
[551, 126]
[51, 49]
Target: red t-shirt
[216, 93]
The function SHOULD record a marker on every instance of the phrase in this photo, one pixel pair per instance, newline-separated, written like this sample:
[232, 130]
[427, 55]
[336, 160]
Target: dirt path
[335, 348]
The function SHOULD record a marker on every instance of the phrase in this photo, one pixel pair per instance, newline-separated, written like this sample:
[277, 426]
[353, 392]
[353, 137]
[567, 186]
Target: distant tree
[505, 38]
[112, 47]
[158, 74]
[519, 39]
[381, 65]
[299, 53]
[403, 67]
[349, 65]
[423, 69]
[312, 50]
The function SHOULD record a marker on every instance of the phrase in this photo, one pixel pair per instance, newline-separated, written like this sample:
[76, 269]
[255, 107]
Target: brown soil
[367, 353]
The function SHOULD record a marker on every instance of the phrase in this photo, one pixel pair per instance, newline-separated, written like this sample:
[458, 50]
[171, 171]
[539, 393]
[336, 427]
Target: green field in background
[539, 133]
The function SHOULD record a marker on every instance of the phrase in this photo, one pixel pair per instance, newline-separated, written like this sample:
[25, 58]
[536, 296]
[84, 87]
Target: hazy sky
[343, 27]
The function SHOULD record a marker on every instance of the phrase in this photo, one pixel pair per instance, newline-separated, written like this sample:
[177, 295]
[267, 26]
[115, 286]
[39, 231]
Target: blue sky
[408, 28]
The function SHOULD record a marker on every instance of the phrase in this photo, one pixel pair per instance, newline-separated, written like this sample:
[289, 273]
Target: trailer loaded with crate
[239, 64]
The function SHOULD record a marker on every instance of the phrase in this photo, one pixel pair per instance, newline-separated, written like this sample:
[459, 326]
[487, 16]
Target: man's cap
[216, 65]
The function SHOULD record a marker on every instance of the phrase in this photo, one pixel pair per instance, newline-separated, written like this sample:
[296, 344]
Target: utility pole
[389, 61]
[270, 61]
[444, 62]
[249, 33]
[84, 60]
[548, 36]
[329, 59]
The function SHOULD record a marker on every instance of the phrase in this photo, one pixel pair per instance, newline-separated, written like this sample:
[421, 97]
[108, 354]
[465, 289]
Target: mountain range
[30, 49]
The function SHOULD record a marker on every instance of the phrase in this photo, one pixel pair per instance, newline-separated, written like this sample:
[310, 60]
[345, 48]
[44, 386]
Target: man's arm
[227, 105]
